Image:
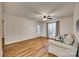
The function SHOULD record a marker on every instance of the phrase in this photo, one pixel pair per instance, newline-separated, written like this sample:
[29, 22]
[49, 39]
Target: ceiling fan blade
[34, 11]
[52, 12]
[36, 18]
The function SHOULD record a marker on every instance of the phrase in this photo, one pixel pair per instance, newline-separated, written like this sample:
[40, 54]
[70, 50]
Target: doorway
[51, 29]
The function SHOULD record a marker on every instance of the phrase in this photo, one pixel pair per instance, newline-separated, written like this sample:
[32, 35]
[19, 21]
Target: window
[51, 30]
[38, 29]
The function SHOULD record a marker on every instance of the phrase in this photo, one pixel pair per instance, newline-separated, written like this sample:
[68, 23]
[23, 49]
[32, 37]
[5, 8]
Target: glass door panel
[51, 30]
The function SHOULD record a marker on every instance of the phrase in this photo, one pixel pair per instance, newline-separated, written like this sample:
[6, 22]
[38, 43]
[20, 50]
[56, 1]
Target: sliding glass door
[51, 30]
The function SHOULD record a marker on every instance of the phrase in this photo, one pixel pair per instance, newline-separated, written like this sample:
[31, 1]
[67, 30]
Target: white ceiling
[33, 10]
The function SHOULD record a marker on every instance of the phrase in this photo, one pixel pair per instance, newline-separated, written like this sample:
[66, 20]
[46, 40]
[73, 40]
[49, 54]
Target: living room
[40, 29]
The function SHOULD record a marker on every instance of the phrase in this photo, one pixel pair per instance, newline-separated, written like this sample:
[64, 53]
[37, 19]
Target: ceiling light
[44, 19]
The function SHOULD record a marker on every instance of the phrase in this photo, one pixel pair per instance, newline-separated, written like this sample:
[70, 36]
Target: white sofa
[62, 50]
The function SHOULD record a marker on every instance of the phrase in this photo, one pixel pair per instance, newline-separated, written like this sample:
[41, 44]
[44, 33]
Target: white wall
[0, 29]
[43, 29]
[66, 24]
[18, 29]
[75, 18]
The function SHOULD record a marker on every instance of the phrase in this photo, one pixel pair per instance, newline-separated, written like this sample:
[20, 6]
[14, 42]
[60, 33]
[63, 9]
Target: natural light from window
[51, 29]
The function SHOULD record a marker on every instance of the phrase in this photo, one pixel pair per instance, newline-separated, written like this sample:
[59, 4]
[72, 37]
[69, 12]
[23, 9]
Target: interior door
[51, 30]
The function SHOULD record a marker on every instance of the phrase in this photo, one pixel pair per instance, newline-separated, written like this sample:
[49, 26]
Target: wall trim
[24, 40]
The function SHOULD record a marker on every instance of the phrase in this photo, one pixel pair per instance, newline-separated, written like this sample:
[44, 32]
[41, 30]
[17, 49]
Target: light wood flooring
[37, 47]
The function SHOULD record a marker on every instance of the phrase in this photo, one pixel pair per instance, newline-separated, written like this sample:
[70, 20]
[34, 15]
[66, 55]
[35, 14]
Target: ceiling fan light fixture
[44, 19]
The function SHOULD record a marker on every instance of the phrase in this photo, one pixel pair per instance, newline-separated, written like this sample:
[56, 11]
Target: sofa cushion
[68, 39]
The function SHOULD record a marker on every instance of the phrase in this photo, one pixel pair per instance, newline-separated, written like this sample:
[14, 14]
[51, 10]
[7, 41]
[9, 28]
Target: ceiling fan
[43, 17]
[47, 17]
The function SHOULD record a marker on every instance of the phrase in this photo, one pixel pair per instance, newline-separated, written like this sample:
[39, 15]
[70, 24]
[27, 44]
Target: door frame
[3, 37]
[47, 30]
